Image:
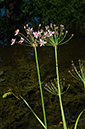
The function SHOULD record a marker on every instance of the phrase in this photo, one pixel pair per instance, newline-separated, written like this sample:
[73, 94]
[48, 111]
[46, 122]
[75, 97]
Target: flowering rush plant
[51, 36]
[54, 36]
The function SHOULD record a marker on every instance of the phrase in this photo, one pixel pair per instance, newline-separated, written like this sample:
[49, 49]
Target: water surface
[19, 74]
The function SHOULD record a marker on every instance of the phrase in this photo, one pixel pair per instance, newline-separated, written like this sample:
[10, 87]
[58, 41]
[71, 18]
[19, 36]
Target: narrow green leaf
[76, 123]
[33, 111]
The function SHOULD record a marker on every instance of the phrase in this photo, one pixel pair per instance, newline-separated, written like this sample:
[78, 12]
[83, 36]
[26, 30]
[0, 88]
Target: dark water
[19, 74]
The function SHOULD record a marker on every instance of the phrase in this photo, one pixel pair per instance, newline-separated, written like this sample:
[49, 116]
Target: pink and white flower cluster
[35, 37]
[52, 35]
[55, 35]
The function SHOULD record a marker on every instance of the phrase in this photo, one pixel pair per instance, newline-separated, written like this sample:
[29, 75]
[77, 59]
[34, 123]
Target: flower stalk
[59, 90]
[56, 38]
[42, 99]
[32, 40]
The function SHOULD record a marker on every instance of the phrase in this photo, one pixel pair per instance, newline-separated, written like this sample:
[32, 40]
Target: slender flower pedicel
[52, 87]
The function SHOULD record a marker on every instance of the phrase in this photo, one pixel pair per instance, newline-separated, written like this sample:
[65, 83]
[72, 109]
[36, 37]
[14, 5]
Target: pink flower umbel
[42, 42]
[55, 35]
[13, 41]
[16, 32]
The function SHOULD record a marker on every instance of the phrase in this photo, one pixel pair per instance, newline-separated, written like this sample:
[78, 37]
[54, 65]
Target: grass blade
[33, 111]
[76, 123]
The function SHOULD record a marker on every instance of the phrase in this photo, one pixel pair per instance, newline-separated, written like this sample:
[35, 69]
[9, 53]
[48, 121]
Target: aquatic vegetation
[78, 74]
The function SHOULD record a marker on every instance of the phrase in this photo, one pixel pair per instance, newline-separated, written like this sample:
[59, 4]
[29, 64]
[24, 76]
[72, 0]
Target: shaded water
[20, 75]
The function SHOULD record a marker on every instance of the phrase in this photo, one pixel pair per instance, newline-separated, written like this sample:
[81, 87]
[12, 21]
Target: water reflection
[18, 64]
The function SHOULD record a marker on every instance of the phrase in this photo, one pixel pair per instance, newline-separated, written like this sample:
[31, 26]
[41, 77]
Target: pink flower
[24, 27]
[42, 42]
[46, 34]
[51, 32]
[62, 26]
[51, 25]
[54, 25]
[36, 34]
[39, 25]
[27, 25]
[46, 27]
[13, 41]
[72, 35]
[29, 30]
[21, 40]
[16, 32]
[56, 33]
[41, 31]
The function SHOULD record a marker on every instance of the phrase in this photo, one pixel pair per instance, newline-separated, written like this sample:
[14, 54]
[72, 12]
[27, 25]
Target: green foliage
[1, 1]
[69, 13]
[77, 120]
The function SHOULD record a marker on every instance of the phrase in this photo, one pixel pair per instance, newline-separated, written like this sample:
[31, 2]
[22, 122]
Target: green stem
[15, 96]
[59, 91]
[40, 87]
[84, 83]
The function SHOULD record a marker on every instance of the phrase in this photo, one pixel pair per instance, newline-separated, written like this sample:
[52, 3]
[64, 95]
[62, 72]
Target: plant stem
[84, 83]
[15, 95]
[59, 90]
[40, 87]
